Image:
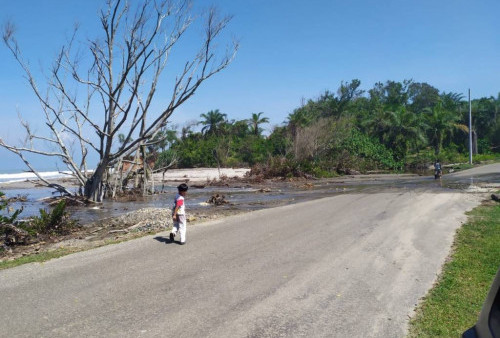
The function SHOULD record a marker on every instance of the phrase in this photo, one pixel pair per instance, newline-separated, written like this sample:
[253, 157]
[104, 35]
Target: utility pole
[470, 131]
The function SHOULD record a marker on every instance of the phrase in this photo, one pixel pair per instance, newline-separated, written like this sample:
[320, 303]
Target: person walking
[179, 214]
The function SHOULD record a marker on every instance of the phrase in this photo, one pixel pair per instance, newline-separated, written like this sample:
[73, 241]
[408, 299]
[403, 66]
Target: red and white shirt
[179, 202]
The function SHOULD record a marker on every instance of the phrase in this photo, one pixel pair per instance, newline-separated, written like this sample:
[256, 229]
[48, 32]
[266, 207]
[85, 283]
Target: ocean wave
[23, 176]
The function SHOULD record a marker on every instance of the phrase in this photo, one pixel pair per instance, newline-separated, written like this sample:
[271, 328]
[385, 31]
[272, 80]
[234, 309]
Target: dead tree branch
[121, 73]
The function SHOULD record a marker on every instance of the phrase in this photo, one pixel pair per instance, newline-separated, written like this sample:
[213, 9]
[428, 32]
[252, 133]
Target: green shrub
[320, 172]
[9, 219]
[56, 221]
[486, 157]
[278, 166]
[4, 204]
[483, 146]
[421, 160]
[452, 155]
[363, 152]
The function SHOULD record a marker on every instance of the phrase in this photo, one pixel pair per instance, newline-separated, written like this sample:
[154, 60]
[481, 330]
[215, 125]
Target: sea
[20, 176]
[33, 196]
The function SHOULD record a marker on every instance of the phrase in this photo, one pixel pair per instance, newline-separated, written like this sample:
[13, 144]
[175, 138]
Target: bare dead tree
[120, 81]
[163, 169]
[316, 140]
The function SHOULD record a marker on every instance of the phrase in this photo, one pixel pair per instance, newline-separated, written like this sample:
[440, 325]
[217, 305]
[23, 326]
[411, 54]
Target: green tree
[399, 130]
[255, 122]
[451, 101]
[347, 93]
[239, 129]
[484, 119]
[212, 122]
[422, 95]
[442, 122]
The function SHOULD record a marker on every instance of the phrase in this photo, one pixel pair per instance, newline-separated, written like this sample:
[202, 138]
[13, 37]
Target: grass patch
[454, 303]
[462, 166]
[36, 258]
[48, 255]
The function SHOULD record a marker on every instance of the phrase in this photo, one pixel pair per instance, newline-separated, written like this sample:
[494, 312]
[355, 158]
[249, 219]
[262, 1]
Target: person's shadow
[165, 240]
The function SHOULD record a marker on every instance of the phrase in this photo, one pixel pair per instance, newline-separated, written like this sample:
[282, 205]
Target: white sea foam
[23, 176]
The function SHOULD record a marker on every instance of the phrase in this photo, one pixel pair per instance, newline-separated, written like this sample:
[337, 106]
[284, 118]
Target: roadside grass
[36, 258]
[487, 158]
[48, 255]
[463, 166]
[478, 160]
[63, 251]
[453, 304]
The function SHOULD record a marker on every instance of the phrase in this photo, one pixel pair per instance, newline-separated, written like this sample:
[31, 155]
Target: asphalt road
[353, 265]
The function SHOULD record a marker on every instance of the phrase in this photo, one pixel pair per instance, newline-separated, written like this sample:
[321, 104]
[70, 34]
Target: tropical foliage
[392, 126]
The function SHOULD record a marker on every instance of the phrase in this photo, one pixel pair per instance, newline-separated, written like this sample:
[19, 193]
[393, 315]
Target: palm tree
[255, 121]
[451, 101]
[442, 122]
[212, 122]
[399, 130]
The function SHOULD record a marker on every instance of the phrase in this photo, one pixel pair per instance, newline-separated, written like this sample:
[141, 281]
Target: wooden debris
[14, 235]
[264, 190]
[217, 200]
[120, 230]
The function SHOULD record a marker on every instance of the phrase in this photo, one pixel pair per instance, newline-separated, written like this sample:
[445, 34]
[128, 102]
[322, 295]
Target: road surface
[352, 265]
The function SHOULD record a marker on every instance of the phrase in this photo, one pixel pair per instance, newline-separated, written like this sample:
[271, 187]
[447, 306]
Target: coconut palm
[255, 121]
[442, 122]
[451, 101]
[212, 121]
[399, 130]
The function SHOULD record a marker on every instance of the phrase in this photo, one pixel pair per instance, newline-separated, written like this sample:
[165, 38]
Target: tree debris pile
[13, 235]
[53, 223]
[146, 219]
[217, 200]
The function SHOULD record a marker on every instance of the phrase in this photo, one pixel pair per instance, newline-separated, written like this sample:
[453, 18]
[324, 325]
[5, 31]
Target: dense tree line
[392, 126]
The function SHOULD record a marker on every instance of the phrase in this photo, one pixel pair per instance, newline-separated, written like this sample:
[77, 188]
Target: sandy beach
[200, 175]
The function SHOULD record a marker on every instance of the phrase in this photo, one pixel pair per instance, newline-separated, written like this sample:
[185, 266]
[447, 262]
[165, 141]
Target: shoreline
[151, 218]
[192, 175]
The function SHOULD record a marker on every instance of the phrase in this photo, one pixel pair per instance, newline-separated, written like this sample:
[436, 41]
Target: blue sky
[290, 50]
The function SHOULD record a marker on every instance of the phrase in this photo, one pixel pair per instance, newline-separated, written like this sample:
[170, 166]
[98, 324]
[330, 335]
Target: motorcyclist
[437, 169]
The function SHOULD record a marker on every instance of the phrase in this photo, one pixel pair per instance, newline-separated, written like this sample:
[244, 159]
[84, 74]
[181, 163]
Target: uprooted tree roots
[217, 200]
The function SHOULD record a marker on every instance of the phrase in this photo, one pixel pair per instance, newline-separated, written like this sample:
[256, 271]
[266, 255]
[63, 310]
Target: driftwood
[13, 234]
[116, 231]
[264, 190]
[18, 198]
[70, 200]
[217, 200]
[60, 189]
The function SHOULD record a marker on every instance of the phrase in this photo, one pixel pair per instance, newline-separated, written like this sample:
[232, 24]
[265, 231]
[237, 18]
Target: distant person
[179, 214]
[437, 170]
[437, 165]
